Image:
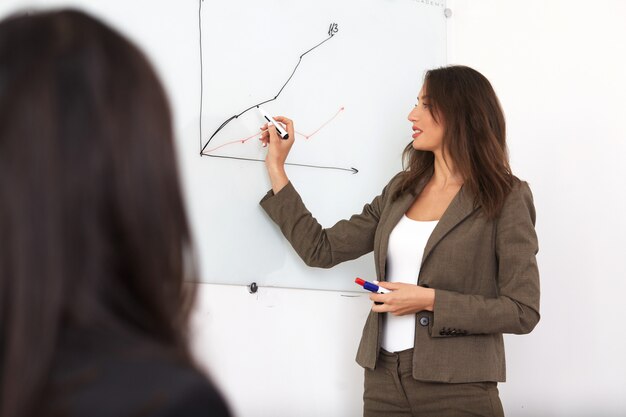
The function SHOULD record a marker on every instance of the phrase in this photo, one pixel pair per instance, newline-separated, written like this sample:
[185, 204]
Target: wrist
[430, 306]
[278, 177]
[275, 168]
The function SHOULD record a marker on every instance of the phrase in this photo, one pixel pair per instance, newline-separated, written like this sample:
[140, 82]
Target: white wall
[558, 67]
[282, 352]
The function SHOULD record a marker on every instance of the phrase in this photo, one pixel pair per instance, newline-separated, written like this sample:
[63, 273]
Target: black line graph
[332, 31]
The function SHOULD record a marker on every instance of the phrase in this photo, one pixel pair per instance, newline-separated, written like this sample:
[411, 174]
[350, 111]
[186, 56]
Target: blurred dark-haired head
[92, 224]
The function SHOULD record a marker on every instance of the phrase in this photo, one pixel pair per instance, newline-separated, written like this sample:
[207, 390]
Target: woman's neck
[445, 174]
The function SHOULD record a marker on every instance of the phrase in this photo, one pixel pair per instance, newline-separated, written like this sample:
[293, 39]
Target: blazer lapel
[461, 206]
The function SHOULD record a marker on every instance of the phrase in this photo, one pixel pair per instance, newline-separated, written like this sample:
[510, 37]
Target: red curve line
[244, 140]
[322, 126]
[258, 134]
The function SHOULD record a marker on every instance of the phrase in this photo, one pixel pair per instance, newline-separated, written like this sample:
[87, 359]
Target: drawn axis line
[333, 29]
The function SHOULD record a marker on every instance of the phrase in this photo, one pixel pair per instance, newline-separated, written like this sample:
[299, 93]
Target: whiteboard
[349, 95]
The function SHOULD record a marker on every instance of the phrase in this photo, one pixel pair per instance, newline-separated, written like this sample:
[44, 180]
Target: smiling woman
[427, 130]
[453, 239]
[465, 127]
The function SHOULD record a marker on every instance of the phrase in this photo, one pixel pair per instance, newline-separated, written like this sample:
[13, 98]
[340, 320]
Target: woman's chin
[419, 146]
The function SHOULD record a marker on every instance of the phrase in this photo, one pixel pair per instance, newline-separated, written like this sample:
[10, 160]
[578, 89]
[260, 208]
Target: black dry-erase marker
[271, 120]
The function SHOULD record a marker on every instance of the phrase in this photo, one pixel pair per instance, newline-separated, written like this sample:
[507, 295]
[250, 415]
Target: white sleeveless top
[404, 258]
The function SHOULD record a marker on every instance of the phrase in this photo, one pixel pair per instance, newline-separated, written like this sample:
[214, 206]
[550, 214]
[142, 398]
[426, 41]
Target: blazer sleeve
[319, 247]
[516, 308]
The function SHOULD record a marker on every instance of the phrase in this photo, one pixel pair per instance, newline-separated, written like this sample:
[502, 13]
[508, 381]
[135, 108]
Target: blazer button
[424, 321]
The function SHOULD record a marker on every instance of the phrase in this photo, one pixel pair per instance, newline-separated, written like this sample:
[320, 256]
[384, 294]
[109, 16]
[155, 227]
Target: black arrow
[353, 170]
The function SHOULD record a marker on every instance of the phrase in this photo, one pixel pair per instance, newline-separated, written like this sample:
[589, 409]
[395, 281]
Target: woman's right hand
[278, 151]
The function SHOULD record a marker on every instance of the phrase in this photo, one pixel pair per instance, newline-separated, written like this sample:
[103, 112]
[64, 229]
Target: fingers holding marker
[273, 137]
[286, 126]
[265, 135]
[278, 147]
[281, 130]
[388, 285]
[284, 121]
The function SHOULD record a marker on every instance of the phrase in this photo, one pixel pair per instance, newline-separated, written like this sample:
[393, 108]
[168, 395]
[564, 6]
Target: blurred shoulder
[100, 374]
[190, 393]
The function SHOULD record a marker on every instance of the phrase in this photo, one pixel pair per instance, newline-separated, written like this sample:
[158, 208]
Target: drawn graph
[210, 151]
[257, 135]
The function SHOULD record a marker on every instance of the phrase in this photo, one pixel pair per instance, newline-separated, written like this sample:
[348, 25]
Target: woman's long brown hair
[474, 136]
[92, 224]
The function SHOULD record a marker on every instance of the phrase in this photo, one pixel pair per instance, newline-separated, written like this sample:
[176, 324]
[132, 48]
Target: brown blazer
[484, 273]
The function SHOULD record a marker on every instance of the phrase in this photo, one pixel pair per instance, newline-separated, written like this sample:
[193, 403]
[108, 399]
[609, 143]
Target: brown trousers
[391, 391]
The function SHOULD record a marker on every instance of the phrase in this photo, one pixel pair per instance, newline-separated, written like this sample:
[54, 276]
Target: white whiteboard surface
[372, 68]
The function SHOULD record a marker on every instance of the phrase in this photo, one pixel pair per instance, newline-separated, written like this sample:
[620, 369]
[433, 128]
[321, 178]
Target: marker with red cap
[371, 287]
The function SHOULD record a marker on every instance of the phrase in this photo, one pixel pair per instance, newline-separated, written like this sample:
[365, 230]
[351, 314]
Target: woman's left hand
[403, 299]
